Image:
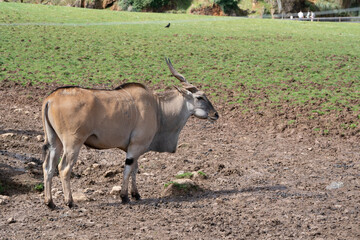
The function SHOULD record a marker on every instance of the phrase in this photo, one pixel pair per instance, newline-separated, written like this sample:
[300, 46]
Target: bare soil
[263, 181]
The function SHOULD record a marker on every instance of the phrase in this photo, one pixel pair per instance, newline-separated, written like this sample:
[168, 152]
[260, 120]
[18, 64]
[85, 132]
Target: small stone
[335, 185]
[219, 201]
[7, 135]
[79, 197]
[4, 199]
[58, 194]
[198, 175]
[96, 166]
[31, 165]
[148, 174]
[111, 173]
[115, 190]
[39, 138]
[11, 220]
[25, 138]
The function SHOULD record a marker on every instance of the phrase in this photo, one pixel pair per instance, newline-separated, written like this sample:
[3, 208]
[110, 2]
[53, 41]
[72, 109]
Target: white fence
[322, 16]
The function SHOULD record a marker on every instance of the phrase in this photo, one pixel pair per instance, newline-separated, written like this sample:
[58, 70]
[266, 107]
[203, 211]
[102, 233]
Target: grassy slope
[265, 62]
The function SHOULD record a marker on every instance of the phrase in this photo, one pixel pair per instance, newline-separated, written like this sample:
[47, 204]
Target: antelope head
[201, 107]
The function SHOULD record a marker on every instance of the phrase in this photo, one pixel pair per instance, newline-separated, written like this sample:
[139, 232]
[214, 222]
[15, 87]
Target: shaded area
[15, 181]
[22, 157]
[21, 132]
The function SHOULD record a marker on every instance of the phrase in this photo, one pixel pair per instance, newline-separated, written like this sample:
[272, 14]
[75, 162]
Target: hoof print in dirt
[181, 187]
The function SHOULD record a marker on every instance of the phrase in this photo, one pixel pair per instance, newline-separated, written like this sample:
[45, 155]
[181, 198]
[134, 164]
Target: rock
[115, 190]
[11, 220]
[39, 138]
[25, 138]
[4, 199]
[180, 187]
[31, 165]
[219, 201]
[58, 194]
[198, 175]
[96, 166]
[148, 174]
[79, 197]
[7, 135]
[111, 173]
[335, 185]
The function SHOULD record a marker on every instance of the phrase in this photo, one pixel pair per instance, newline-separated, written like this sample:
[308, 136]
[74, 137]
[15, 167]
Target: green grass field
[272, 61]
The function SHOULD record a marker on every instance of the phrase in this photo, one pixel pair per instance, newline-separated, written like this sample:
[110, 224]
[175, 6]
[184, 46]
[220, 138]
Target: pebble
[25, 138]
[31, 165]
[79, 197]
[11, 220]
[4, 199]
[96, 166]
[111, 173]
[39, 138]
[115, 190]
[335, 185]
[7, 135]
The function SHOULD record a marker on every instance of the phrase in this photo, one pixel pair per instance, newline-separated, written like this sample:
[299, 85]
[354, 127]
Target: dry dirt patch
[261, 183]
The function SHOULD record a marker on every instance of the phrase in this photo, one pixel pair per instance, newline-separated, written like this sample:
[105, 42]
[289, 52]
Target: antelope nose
[215, 117]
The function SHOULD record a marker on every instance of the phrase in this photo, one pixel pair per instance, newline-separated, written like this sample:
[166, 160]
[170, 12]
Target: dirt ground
[263, 182]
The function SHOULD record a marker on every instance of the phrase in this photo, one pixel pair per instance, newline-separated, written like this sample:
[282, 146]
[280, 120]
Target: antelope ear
[184, 92]
[190, 87]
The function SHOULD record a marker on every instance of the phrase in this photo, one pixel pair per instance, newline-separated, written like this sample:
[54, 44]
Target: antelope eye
[200, 98]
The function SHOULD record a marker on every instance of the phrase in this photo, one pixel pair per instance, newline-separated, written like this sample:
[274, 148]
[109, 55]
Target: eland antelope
[129, 117]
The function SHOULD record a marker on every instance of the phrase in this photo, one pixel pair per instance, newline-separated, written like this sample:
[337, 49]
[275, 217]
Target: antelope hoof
[50, 204]
[136, 196]
[125, 199]
[70, 204]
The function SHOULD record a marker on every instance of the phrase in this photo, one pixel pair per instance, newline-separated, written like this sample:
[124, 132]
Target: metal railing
[329, 19]
[336, 16]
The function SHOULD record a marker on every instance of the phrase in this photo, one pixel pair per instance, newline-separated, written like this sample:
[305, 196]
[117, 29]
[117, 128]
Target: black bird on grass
[167, 26]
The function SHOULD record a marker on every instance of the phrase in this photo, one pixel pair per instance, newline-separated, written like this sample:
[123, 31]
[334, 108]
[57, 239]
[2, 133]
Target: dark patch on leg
[129, 161]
